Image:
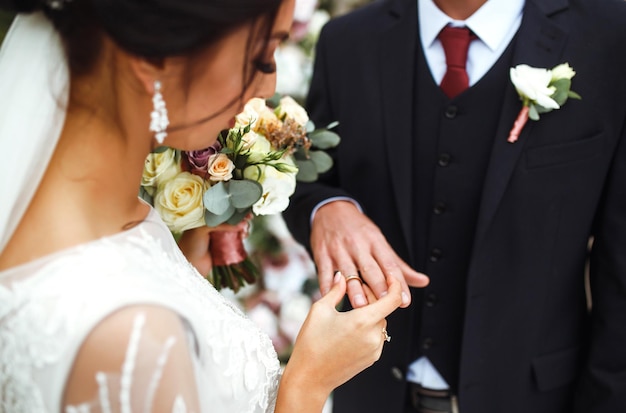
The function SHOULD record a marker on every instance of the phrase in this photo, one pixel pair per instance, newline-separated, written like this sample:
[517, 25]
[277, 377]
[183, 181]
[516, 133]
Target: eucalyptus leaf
[216, 199]
[563, 84]
[213, 220]
[560, 96]
[332, 125]
[307, 171]
[324, 139]
[323, 162]
[244, 193]
[238, 216]
[309, 127]
[573, 95]
[533, 112]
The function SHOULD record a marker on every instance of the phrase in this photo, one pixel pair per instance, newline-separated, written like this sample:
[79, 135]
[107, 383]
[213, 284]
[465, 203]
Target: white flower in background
[159, 167]
[179, 202]
[265, 319]
[304, 9]
[293, 312]
[290, 108]
[294, 69]
[318, 20]
[533, 83]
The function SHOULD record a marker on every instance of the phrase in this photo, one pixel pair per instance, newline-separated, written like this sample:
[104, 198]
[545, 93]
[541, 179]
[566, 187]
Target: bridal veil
[34, 85]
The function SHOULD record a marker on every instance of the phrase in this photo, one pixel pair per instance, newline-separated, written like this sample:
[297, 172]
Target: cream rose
[159, 167]
[220, 167]
[256, 114]
[179, 202]
[533, 83]
[290, 108]
[257, 145]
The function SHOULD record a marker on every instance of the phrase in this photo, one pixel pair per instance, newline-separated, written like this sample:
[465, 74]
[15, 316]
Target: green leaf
[238, 216]
[244, 193]
[216, 199]
[307, 171]
[309, 127]
[563, 84]
[533, 113]
[160, 149]
[573, 95]
[274, 101]
[324, 139]
[323, 162]
[213, 220]
[560, 96]
[332, 125]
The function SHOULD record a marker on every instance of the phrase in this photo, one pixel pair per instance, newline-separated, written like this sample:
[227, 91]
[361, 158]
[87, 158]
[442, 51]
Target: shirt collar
[490, 23]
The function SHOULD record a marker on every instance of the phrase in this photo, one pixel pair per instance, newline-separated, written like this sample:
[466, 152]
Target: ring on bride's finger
[354, 277]
[386, 336]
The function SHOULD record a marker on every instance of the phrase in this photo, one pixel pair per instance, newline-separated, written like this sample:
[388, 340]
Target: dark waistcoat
[453, 144]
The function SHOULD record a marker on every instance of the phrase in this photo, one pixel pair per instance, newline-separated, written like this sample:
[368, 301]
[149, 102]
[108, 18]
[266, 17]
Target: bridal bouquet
[251, 169]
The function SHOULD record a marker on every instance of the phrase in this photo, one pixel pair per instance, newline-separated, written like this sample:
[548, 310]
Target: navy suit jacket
[529, 344]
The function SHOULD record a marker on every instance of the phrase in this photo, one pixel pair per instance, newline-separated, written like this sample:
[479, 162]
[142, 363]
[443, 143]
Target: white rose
[533, 83]
[256, 114]
[159, 167]
[220, 167]
[290, 108]
[563, 71]
[179, 202]
[258, 145]
[277, 188]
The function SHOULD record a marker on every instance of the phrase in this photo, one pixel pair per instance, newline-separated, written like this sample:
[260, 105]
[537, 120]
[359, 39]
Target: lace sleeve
[137, 360]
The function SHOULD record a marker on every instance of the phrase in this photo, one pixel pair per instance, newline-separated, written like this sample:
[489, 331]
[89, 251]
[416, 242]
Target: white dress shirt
[495, 24]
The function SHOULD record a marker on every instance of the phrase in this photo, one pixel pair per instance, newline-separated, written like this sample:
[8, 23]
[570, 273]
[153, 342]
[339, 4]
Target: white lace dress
[113, 291]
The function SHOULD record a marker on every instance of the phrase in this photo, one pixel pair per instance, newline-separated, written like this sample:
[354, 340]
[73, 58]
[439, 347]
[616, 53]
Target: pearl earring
[158, 116]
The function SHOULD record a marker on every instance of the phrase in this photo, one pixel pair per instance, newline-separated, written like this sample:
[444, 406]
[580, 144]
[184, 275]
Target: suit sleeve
[321, 111]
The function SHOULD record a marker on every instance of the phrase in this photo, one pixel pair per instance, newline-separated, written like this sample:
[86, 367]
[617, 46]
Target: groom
[504, 230]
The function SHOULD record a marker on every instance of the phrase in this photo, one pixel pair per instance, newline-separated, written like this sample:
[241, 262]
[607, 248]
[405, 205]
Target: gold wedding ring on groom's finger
[354, 277]
[386, 336]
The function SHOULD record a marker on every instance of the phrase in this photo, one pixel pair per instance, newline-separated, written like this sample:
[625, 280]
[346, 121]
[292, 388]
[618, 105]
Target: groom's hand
[344, 239]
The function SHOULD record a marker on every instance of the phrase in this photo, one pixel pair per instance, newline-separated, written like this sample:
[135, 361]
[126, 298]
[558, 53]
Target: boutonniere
[541, 91]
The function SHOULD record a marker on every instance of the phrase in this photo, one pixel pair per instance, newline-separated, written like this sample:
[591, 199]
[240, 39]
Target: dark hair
[146, 28]
[152, 29]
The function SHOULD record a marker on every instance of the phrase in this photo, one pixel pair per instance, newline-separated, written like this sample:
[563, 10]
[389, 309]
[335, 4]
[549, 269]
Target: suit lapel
[539, 43]
[396, 51]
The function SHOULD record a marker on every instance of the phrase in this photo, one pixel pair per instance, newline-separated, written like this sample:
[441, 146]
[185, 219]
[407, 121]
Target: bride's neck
[89, 189]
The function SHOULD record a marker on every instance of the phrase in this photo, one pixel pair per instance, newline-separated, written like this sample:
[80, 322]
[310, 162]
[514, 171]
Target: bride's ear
[147, 71]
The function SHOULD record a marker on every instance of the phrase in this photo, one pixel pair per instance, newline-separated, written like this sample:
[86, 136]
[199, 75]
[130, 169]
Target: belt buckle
[418, 392]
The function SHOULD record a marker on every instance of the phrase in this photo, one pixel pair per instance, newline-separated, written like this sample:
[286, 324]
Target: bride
[99, 309]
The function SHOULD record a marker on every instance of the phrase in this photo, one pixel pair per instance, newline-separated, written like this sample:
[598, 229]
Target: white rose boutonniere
[541, 91]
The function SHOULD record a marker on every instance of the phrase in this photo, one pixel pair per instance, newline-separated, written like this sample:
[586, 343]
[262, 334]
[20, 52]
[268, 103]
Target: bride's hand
[334, 346]
[194, 243]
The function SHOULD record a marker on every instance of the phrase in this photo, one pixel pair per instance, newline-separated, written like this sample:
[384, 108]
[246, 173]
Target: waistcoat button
[451, 112]
[439, 208]
[444, 159]
[435, 254]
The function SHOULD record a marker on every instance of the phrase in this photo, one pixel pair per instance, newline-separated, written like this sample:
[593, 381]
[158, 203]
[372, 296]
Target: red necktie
[455, 42]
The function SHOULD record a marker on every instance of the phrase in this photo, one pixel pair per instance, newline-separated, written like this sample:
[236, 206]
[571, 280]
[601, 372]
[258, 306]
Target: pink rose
[199, 160]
